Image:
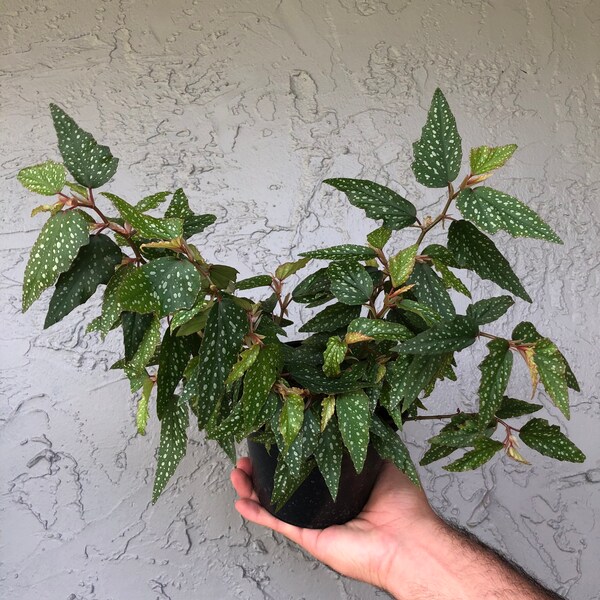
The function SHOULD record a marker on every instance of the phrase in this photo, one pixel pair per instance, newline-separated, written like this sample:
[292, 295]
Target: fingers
[241, 478]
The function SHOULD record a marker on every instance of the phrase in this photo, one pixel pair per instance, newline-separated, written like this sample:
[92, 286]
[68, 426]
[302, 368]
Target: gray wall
[249, 109]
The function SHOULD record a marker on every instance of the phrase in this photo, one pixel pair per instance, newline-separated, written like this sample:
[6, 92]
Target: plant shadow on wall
[195, 341]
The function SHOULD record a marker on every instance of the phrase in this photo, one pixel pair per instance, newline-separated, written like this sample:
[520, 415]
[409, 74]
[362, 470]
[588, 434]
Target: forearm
[443, 563]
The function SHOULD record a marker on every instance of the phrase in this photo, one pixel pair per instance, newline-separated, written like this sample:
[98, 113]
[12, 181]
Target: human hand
[366, 548]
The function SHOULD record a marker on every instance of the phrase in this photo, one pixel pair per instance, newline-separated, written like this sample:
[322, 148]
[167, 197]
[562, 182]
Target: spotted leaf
[438, 154]
[380, 237]
[551, 367]
[436, 453]
[485, 159]
[259, 380]
[185, 315]
[333, 356]
[140, 350]
[285, 483]
[327, 410]
[511, 407]
[91, 164]
[430, 291]
[484, 450]
[495, 373]
[254, 282]
[172, 361]
[145, 225]
[47, 179]
[331, 318]
[350, 282]
[378, 201]
[221, 344]
[475, 251]
[142, 414]
[111, 306]
[409, 381]
[448, 336]
[164, 286]
[426, 313]
[329, 455]
[489, 309]
[173, 442]
[354, 419]
[401, 265]
[53, 252]
[379, 330]
[247, 359]
[94, 265]
[344, 252]
[492, 211]
[152, 201]
[291, 418]
[549, 440]
[390, 447]
[290, 268]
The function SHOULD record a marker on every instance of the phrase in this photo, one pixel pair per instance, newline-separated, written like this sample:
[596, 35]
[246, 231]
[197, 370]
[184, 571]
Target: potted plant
[322, 411]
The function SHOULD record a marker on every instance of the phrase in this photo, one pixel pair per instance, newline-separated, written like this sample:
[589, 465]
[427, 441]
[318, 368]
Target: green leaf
[173, 442]
[495, 373]
[380, 237]
[47, 179]
[152, 201]
[254, 282]
[449, 279]
[259, 380]
[350, 282]
[548, 440]
[329, 455]
[402, 264]
[94, 265]
[428, 315]
[222, 275]
[378, 201]
[344, 252]
[430, 291]
[144, 350]
[408, 380]
[291, 418]
[327, 410]
[247, 359]
[485, 159]
[172, 361]
[290, 268]
[492, 211]
[475, 251]
[331, 318]
[354, 417]
[313, 289]
[145, 225]
[552, 371]
[53, 252]
[185, 315]
[484, 450]
[380, 330]
[333, 356]
[511, 407]
[179, 208]
[226, 327]
[134, 326]
[313, 378]
[141, 417]
[526, 332]
[438, 153]
[490, 309]
[111, 306]
[90, 163]
[164, 285]
[448, 336]
[390, 447]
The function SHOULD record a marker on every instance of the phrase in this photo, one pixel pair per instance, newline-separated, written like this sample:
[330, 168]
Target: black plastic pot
[311, 504]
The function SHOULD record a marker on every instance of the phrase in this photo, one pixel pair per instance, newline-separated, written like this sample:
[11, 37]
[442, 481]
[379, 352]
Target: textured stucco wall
[249, 105]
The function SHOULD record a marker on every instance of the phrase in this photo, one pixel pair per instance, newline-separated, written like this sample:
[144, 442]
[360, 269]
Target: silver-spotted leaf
[484, 450]
[495, 373]
[173, 443]
[53, 252]
[152, 201]
[489, 309]
[327, 410]
[259, 380]
[164, 286]
[438, 153]
[291, 418]
[331, 318]
[380, 237]
[111, 306]
[551, 367]
[350, 282]
[354, 419]
[142, 413]
[378, 201]
[254, 282]
[246, 360]
[94, 265]
[90, 163]
[512, 407]
[401, 265]
[550, 441]
[285, 483]
[47, 178]
[329, 455]
[343, 252]
[333, 356]
[380, 330]
[144, 350]
[447, 336]
[475, 251]
[431, 291]
[492, 211]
